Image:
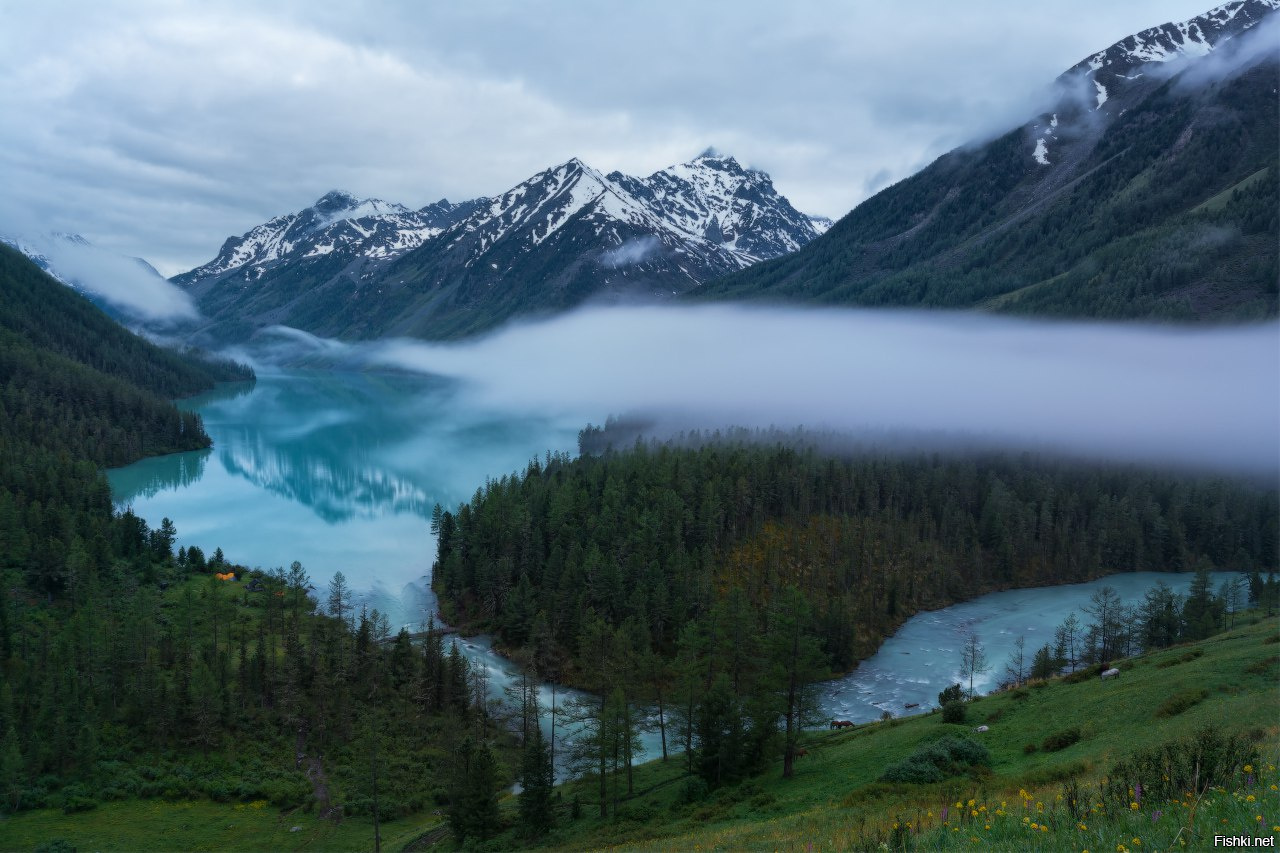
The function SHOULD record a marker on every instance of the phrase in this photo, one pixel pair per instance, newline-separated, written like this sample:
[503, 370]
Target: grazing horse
[799, 753]
[841, 724]
[1110, 673]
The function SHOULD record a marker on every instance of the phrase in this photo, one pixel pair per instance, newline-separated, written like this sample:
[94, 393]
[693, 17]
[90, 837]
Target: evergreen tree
[537, 780]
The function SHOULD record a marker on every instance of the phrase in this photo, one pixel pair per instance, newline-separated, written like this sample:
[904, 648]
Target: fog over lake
[1205, 397]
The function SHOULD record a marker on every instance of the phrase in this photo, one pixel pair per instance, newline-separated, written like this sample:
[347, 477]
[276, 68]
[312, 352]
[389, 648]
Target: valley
[631, 507]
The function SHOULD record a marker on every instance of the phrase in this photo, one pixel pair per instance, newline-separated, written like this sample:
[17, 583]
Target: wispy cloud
[125, 283]
[1208, 397]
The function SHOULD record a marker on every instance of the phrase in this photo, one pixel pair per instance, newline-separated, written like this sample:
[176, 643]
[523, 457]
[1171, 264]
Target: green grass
[834, 801]
[1220, 200]
[159, 825]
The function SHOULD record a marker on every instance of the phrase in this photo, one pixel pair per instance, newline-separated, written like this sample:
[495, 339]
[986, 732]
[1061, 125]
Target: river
[340, 471]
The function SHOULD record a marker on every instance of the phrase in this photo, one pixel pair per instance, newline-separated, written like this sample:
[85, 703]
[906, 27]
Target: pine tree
[537, 780]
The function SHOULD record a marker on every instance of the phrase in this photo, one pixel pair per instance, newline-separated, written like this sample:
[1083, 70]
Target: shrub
[1029, 748]
[953, 712]
[1084, 674]
[1022, 693]
[954, 693]
[933, 762]
[915, 770]
[1179, 702]
[1195, 764]
[694, 790]
[1061, 740]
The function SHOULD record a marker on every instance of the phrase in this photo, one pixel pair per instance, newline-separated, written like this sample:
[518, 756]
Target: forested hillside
[131, 670]
[1166, 208]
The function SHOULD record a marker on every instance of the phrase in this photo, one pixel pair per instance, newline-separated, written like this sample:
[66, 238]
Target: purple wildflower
[1155, 815]
[1137, 792]
[1248, 781]
[945, 809]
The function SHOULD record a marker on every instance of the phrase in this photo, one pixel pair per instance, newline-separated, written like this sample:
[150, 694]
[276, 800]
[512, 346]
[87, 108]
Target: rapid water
[340, 471]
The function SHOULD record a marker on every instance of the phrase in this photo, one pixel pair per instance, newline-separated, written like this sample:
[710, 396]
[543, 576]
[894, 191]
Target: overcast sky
[159, 129]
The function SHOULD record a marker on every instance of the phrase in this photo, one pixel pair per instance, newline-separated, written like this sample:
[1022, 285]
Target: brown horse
[841, 724]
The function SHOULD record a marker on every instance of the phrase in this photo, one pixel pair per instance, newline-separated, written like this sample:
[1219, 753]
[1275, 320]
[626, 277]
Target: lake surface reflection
[338, 471]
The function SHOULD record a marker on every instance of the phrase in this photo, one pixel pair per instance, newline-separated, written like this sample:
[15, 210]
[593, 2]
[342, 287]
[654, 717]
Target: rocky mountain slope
[362, 268]
[1149, 189]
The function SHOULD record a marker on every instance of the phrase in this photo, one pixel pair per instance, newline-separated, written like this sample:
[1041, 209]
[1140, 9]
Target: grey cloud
[158, 129]
[631, 252]
[129, 285]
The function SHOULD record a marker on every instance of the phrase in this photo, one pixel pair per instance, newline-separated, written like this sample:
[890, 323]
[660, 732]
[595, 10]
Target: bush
[694, 790]
[933, 762]
[1194, 764]
[1061, 740]
[1029, 748]
[1179, 702]
[953, 712]
[915, 770]
[954, 693]
[1084, 674]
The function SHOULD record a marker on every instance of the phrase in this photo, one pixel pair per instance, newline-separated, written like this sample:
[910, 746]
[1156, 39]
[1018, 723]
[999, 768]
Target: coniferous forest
[131, 669]
[715, 578]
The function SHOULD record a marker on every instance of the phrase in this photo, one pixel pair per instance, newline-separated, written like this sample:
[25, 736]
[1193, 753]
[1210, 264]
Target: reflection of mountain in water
[336, 487]
[175, 471]
[326, 444]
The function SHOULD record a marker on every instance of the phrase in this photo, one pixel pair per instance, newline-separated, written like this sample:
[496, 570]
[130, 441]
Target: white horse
[1111, 673]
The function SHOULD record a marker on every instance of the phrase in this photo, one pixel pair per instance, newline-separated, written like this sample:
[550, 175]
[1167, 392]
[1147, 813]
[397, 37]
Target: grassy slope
[180, 822]
[833, 803]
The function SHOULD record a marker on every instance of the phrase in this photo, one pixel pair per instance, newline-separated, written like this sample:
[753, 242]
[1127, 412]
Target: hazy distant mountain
[128, 288]
[1149, 190]
[362, 268]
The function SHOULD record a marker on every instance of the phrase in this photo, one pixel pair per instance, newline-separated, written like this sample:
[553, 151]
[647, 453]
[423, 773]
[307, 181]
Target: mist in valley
[1206, 398]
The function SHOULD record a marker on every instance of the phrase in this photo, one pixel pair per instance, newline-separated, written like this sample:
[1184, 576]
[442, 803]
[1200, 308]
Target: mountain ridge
[1099, 207]
[357, 267]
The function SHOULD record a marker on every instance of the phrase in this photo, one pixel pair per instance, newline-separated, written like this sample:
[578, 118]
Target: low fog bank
[129, 285]
[1206, 398]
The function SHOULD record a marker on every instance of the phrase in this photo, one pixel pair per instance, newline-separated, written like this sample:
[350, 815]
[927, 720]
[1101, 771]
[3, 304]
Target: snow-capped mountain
[1113, 80]
[338, 221]
[1147, 189]
[566, 234]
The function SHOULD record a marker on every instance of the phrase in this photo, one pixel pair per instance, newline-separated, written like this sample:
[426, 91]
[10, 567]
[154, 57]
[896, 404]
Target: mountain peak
[715, 159]
[335, 200]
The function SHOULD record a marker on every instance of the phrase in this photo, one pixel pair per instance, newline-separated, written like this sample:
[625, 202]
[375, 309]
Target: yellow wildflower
[1248, 768]
[1249, 799]
[1133, 806]
[1082, 826]
[972, 803]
